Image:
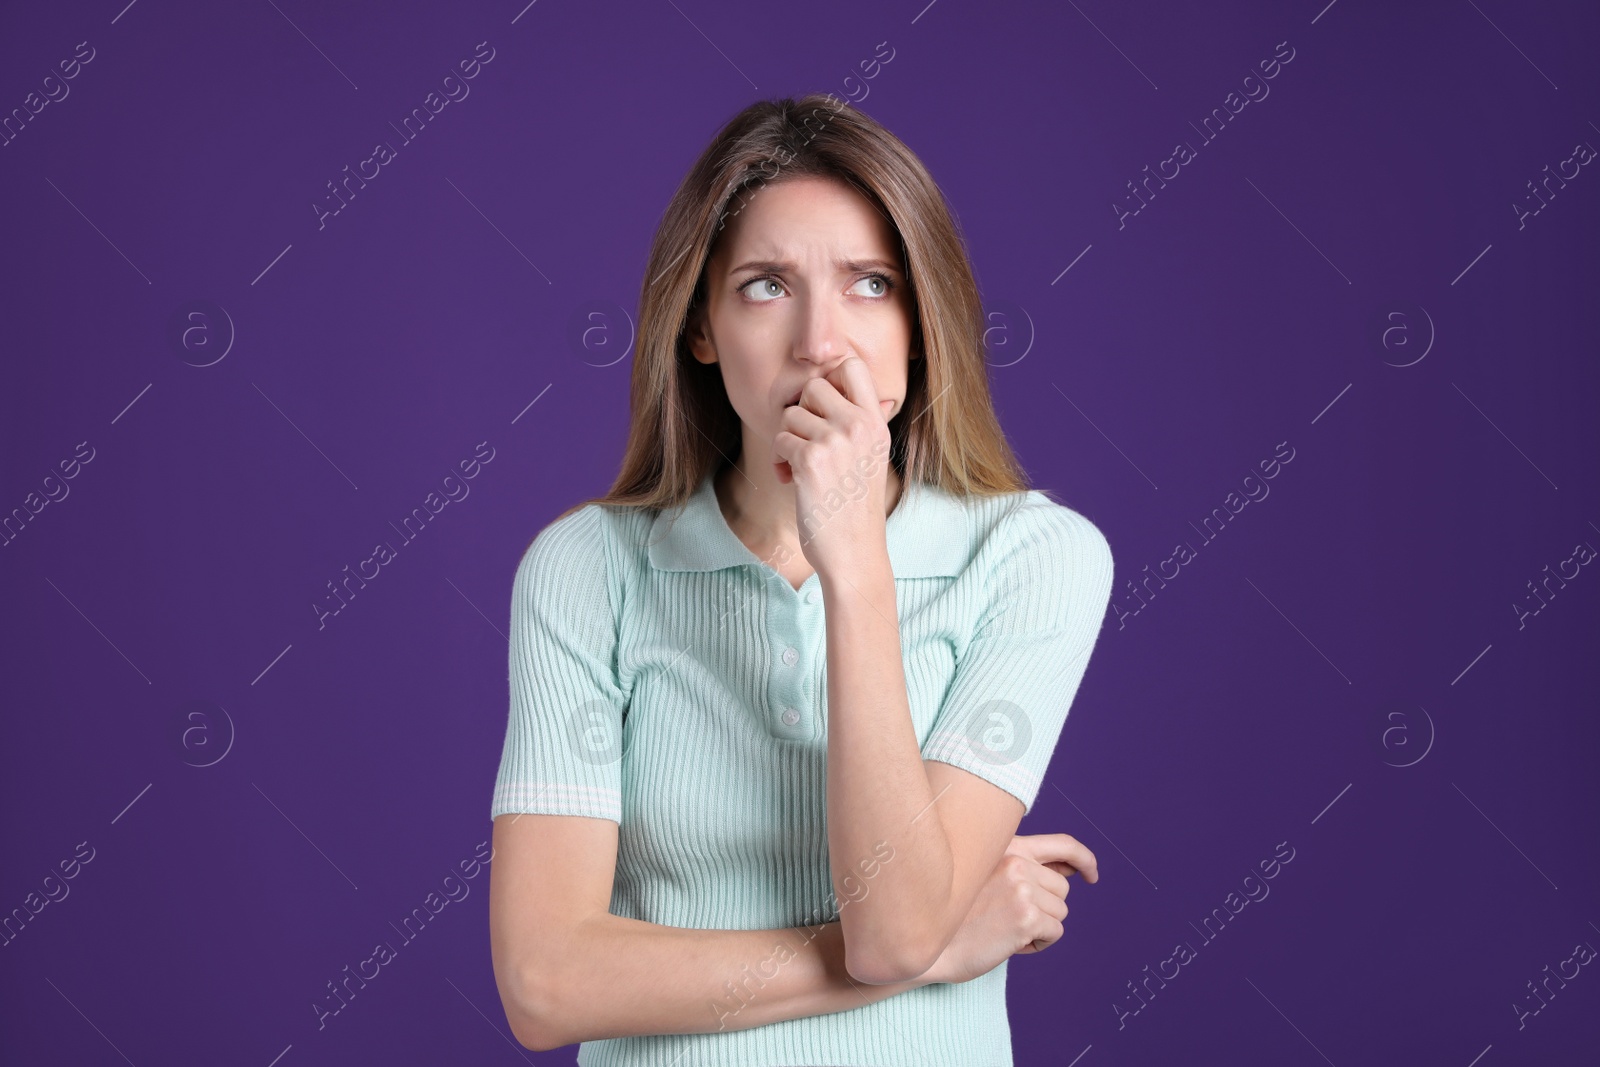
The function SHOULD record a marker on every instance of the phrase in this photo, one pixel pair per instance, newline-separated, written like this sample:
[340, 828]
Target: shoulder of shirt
[1031, 523]
[593, 540]
[577, 541]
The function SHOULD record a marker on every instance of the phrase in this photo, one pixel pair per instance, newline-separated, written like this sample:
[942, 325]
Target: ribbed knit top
[664, 677]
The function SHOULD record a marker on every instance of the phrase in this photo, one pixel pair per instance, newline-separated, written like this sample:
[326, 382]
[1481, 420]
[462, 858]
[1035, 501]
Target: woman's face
[807, 274]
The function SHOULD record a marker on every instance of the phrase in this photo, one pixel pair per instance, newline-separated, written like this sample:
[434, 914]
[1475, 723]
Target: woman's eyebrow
[843, 266]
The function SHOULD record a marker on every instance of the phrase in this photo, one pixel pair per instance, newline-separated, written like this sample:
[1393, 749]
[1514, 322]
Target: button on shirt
[665, 678]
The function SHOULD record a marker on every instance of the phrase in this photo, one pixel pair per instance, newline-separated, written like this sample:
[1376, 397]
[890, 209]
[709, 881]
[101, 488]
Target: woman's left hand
[834, 447]
[1019, 909]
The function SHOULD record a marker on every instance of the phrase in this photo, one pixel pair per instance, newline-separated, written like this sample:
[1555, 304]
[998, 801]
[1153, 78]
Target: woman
[781, 698]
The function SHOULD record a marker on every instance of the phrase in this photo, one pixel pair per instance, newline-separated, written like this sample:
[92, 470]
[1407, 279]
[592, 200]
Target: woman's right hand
[1019, 908]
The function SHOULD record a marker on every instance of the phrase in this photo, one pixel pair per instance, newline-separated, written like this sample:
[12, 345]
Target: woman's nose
[819, 341]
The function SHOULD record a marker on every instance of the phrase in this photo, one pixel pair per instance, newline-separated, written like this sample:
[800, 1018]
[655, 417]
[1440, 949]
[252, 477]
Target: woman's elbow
[887, 964]
[530, 1009]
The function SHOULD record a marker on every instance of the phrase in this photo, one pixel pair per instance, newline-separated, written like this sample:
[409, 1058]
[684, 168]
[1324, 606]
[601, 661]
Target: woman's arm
[569, 971]
[881, 790]
[625, 977]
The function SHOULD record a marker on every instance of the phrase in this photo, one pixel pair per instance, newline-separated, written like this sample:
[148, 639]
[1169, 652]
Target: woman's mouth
[885, 405]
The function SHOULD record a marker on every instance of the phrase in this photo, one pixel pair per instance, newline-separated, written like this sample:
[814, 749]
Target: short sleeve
[563, 741]
[1049, 582]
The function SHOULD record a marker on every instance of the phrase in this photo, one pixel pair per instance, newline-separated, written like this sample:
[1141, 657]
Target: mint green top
[663, 677]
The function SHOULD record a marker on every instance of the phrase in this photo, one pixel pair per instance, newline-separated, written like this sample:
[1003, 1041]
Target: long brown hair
[682, 424]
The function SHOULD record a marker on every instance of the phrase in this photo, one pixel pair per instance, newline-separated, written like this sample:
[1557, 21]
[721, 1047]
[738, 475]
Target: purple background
[1342, 668]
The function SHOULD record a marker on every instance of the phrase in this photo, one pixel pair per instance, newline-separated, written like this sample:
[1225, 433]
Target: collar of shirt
[926, 533]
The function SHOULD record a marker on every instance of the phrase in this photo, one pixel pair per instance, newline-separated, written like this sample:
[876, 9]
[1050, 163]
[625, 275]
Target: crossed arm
[569, 971]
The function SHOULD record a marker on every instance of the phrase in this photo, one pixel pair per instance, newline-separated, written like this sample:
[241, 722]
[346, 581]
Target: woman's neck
[761, 511]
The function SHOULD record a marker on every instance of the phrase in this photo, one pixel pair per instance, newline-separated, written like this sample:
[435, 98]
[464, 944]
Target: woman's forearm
[878, 789]
[626, 977]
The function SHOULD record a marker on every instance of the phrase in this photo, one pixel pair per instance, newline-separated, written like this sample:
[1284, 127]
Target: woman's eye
[763, 290]
[883, 283]
[760, 285]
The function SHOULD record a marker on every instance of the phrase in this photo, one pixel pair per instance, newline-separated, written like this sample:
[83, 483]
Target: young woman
[781, 698]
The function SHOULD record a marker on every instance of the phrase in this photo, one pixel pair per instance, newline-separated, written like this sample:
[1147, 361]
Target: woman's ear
[697, 334]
